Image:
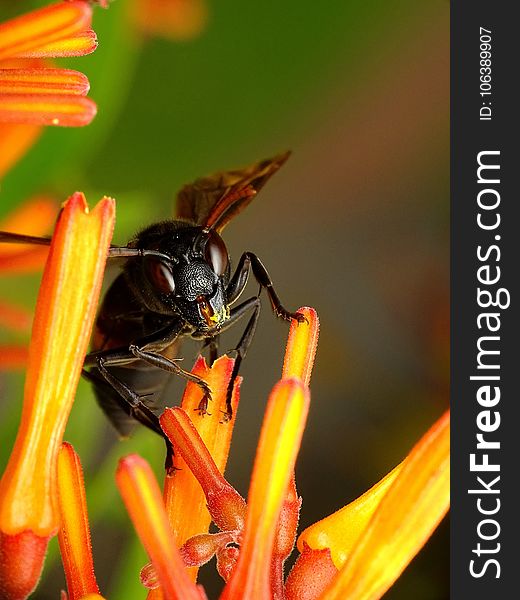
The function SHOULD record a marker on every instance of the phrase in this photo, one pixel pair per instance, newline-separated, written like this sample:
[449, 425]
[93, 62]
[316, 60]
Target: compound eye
[160, 276]
[215, 253]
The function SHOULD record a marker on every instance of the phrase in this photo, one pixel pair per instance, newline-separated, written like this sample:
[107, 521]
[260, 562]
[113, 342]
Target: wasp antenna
[7, 237]
[125, 252]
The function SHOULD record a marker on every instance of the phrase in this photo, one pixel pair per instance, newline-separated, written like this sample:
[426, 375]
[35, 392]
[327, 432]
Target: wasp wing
[214, 200]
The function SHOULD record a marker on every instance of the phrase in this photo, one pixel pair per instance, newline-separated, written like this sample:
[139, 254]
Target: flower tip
[105, 209]
[21, 563]
[301, 346]
[76, 203]
[310, 314]
[130, 462]
[43, 26]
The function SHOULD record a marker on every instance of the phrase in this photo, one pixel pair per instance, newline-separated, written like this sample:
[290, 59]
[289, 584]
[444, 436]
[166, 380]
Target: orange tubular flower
[356, 553]
[302, 344]
[143, 501]
[28, 488]
[15, 141]
[279, 444]
[13, 357]
[183, 496]
[74, 533]
[171, 19]
[372, 540]
[34, 218]
[34, 95]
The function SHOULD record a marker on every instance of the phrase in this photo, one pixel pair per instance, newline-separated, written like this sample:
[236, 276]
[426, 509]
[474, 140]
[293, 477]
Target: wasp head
[191, 282]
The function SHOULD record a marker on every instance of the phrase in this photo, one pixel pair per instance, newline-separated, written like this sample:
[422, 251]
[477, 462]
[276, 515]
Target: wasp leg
[236, 314]
[241, 349]
[129, 400]
[249, 261]
[131, 403]
[160, 361]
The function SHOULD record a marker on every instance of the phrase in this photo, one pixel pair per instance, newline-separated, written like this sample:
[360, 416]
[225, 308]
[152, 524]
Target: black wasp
[176, 283]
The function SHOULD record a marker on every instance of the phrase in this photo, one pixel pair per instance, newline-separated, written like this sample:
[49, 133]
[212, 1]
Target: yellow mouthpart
[212, 318]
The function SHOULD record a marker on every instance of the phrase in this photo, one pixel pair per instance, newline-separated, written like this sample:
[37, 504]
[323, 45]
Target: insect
[176, 283]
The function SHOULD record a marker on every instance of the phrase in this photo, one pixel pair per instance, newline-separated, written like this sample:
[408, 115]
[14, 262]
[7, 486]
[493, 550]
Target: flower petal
[13, 357]
[177, 20]
[285, 537]
[226, 506]
[279, 443]
[299, 357]
[341, 530]
[15, 141]
[28, 261]
[14, 317]
[43, 81]
[34, 217]
[301, 346]
[143, 500]
[43, 26]
[80, 44]
[47, 109]
[63, 321]
[406, 517]
[74, 533]
[184, 499]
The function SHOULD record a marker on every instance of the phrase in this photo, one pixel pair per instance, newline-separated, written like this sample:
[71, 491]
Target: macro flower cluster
[355, 553]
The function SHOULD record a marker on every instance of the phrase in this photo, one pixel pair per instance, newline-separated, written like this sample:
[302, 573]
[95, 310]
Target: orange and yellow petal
[28, 261]
[409, 512]
[43, 81]
[74, 532]
[226, 506]
[47, 109]
[279, 443]
[13, 357]
[63, 321]
[301, 347]
[143, 500]
[14, 317]
[300, 353]
[340, 531]
[183, 496]
[15, 141]
[80, 44]
[43, 26]
[34, 217]
[171, 19]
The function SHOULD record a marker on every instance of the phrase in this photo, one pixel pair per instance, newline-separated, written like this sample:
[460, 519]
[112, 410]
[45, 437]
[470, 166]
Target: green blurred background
[355, 225]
